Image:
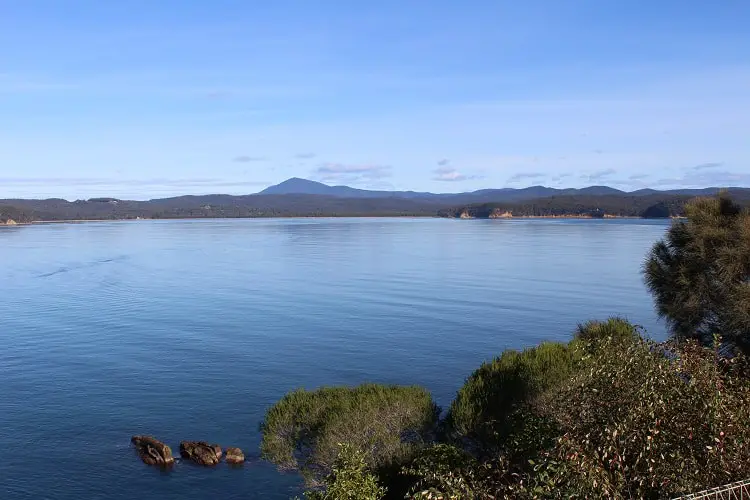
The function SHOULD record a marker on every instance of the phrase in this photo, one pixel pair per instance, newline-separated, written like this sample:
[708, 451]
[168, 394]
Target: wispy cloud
[305, 156]
[599, 174]
[351, 173]
[638, 177]
[709, 165]
[520, 176]
[450, 174]
[706, 178]
[248, 159]
[446, 173]
[559, 177]
[374, 171]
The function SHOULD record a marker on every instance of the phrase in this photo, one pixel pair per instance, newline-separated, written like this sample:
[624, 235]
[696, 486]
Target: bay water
[192, 329]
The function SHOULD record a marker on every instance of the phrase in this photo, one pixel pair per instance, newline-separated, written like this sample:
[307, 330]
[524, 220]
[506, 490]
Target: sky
[141, 99]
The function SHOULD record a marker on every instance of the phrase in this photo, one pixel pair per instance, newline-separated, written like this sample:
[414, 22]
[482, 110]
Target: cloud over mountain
[351, 173]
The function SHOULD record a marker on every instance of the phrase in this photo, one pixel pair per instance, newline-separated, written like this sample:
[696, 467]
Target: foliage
[349, 479]
[593, 332]
[447, 472]
[387, 423]
[699, 274]
[638, 424]
[450, 473]
[497, 389]
[640, 421]
[498, 407]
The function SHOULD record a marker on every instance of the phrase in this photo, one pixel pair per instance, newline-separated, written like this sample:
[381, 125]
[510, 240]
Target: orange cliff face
[499, 214]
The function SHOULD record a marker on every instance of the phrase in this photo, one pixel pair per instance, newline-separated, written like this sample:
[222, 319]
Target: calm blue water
[191, 329]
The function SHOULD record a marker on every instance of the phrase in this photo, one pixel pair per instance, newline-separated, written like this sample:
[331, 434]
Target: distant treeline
[306, 205]
[651, 206]
[214, 206]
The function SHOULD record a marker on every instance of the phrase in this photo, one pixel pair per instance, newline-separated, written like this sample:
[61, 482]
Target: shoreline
[582, 217]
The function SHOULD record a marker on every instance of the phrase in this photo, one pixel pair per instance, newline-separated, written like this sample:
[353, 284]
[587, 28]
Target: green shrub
[637, 424]
[633, 421]
[350, 479]
[387, 423]
[480, 412]
[597, 331]
[447, 472]
[450, 473]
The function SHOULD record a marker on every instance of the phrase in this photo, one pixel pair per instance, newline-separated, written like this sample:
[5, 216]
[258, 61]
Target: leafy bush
[499, 388]
[632, 419]
[387, 423]
[450, 473]
[699, 274]
[447, 472]
[638, 424]
[350, 479]
[597, 331]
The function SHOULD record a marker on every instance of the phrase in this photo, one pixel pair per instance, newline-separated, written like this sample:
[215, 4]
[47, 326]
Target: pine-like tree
[699, 274]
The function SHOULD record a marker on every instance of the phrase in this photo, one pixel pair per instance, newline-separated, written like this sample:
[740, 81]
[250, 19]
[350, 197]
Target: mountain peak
[297, 185]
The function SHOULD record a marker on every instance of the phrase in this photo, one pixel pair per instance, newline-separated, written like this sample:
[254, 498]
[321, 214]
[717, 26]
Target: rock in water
[152, 451]
[235, 456]
[201, 452]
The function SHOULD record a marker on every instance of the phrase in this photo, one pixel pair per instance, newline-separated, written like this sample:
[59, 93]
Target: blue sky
[144, 99]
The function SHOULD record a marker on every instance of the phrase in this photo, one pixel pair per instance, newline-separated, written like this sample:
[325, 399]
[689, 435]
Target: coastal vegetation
[350, 479]
[609, 414]
[650, 206]
[483, 414]
[386, 424]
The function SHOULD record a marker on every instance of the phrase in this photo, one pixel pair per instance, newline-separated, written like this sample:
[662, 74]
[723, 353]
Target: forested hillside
[651, 206]
[658, 204]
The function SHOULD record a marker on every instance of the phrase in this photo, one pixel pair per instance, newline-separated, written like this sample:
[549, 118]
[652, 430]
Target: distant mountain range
[301, 197]
[296, 185]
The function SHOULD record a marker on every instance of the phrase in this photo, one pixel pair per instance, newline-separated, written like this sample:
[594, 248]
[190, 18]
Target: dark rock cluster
[154, 452]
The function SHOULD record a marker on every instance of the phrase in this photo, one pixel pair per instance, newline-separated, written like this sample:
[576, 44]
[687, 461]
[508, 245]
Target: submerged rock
[152, 451]
[235, 456]
[200, 452]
